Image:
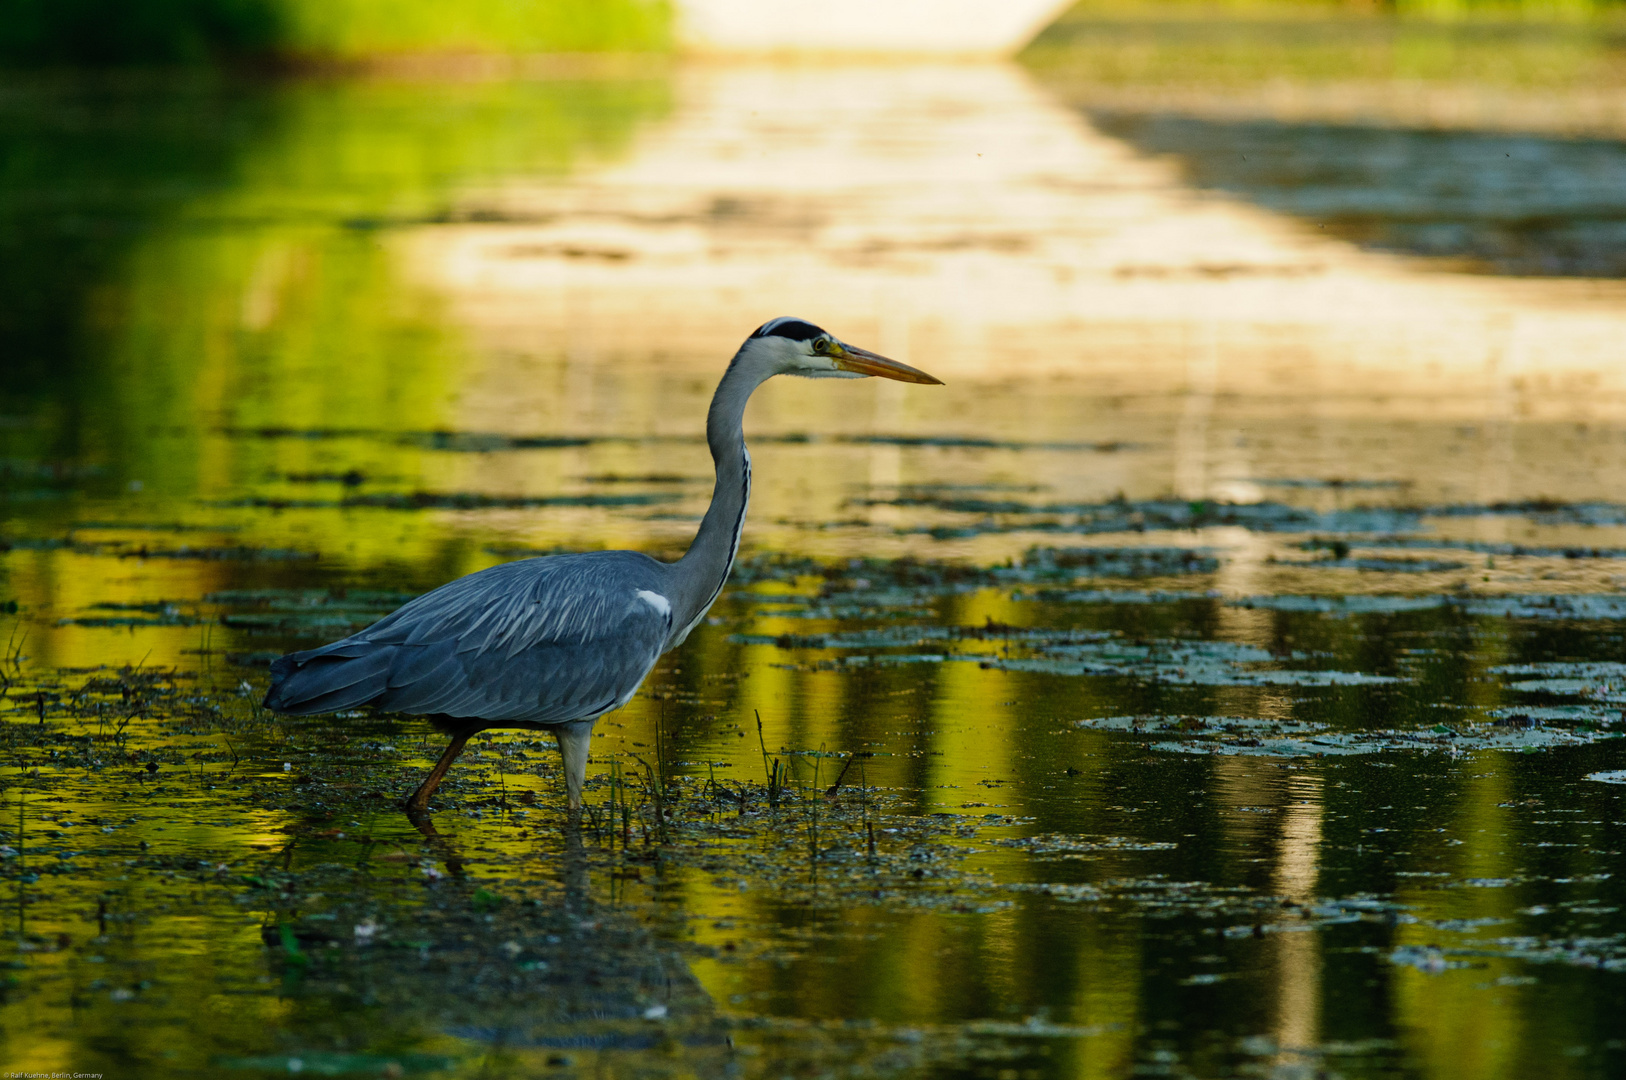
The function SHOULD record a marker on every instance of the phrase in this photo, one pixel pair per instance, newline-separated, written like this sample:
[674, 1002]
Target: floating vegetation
[338, 1063]
[132, 615]
[187, 552]
[1343, 606]
[1052, 844]
[1128, 516]
[887, 637]
[1575, 715]
[1569, 606]
[1579, 607]
[486, 442]
[1540, 511]
[1132, 562]
[1217, 725]
[1598, 681]
[1125, 516]
[348, 478]
[644, 478]
[304, 612]
[1483, 547]
[1379, 565]
[1036, 565]
[1180, 662]
[971, 442]
[1232, 736]
[457, 500]
[1429, 959]
[137, 525]
[453, 441]
[1606, 954]
[1331, 484]
[856, 588]
[1115, 596]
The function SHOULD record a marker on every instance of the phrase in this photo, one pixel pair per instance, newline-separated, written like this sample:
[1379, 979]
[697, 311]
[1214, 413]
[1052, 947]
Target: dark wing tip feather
[318, 681]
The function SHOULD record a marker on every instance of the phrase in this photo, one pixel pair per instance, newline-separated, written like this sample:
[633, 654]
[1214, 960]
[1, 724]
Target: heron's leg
[419, 803]
[575, 739]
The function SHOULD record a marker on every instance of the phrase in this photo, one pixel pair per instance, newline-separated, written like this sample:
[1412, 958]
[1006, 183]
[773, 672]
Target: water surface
[1219, 676]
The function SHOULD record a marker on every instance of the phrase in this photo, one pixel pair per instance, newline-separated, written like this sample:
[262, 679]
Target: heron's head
[790, 346]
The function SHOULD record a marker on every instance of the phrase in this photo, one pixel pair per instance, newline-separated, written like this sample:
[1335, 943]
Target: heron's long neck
[703, 569]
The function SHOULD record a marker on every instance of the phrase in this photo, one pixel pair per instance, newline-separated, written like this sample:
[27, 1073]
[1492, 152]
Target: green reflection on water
[189, 259]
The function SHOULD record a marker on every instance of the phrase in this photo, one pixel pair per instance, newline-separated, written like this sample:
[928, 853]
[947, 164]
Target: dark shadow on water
[92, 165]
[1503, 203]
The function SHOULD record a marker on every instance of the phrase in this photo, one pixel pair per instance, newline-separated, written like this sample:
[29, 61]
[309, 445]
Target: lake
[1220, 675]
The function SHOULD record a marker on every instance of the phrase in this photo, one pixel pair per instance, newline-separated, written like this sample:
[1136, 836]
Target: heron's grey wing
[543, 640]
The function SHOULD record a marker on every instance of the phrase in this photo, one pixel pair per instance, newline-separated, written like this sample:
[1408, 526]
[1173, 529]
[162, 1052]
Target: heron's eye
[821, 346]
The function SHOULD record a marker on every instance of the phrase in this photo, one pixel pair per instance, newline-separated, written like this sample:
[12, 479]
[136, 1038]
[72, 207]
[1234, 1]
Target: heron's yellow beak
[863, 362]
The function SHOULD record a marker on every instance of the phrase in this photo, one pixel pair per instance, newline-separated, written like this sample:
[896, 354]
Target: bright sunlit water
[1212, 679]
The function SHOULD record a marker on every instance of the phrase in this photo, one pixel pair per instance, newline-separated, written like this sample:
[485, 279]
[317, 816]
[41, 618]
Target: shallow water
[1219, 676]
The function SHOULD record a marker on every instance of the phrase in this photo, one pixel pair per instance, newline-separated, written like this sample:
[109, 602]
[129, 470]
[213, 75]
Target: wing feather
[542, 640]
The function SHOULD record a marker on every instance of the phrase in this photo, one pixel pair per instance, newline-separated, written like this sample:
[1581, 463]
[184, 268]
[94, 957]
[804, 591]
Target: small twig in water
[830, 792]
[813, 831]
[773, 770]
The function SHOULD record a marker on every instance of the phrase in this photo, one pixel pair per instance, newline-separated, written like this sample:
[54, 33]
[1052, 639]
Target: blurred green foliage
[1175, 44]
[1446, 10]
[108, 31]
[349, 28]
[172, 243]
[171, 31]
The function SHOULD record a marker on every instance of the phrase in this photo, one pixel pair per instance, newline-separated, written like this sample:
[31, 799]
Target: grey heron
[554, 643]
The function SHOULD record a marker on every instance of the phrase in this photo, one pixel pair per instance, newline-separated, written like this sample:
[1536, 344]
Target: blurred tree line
[1437, 10]
[171, 31]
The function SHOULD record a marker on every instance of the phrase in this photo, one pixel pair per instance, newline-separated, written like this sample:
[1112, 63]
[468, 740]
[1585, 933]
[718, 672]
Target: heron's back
[547, 640]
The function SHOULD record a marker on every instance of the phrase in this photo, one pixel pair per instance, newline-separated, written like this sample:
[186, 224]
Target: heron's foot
[418, 805]
[421, 820]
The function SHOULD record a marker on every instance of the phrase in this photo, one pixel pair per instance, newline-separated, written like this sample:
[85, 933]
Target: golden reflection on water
[1110, 329]
[1067, 288]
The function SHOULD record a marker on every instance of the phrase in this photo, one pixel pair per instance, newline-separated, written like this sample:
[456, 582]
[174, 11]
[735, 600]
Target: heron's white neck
[704, 567]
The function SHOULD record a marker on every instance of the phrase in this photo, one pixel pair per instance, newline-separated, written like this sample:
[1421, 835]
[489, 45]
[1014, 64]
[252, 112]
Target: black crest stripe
[794, 329]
